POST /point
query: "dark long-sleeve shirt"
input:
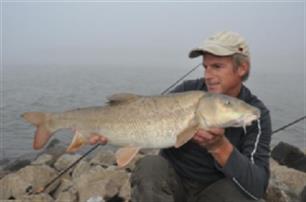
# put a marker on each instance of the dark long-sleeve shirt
(248, 164)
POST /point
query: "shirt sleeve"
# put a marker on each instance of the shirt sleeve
(179, 88)
(248, 164)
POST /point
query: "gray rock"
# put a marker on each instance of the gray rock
(28, 179)
(65, 161)
(64, 186)
(285, 183)
(303, 195)
(125, 191)
(99, 182)
(104, 188)
(19, 162)
(80, 168)
(68, 195)
(55, 149)
(103, 158)
(43, 159)
(95, 199)
(111, 168)
(290, 156)
(37, 198)
(4, 173)
(275, 193)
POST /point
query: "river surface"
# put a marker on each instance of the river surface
(51, 88)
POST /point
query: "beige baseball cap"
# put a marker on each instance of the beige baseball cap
(222, 44)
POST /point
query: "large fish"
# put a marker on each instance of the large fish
(134, 122)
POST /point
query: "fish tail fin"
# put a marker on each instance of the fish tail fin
(43, 132)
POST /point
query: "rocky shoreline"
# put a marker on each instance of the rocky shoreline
(97, 179)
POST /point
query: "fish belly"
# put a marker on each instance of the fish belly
(144, 140)
(147, 133)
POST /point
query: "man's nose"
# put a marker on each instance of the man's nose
(208, 73)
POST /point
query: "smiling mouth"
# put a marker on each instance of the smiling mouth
(212, 84)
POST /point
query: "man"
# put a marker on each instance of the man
(217, 165)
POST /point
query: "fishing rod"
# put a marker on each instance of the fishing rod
(289, 124)
(42, 189)
(180, 79)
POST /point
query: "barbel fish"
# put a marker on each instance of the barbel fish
(133, 122)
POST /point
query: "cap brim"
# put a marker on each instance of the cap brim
(214, 49)
(195, 53)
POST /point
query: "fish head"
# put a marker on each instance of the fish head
(222, 111)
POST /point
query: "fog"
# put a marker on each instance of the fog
(147, 34)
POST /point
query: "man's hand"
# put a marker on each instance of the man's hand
(210, 139)
(215, 142)
(97, 139)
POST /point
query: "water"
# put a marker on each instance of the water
(53, 88)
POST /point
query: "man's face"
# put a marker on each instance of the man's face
(221, 76)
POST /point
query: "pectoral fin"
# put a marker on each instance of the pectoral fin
(185, 136)
(125, 155)
(77, 142)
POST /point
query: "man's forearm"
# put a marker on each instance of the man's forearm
(222, 152)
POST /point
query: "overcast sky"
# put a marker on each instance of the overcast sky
(101, 33)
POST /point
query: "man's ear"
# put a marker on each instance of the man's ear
(243, 69)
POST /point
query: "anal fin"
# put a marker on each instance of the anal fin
(125, 155)
(77, 142)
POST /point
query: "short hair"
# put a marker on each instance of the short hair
(238, 60)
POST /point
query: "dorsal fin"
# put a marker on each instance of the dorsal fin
(122, 98)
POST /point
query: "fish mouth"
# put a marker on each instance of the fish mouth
(247, 120)
(242, 121)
